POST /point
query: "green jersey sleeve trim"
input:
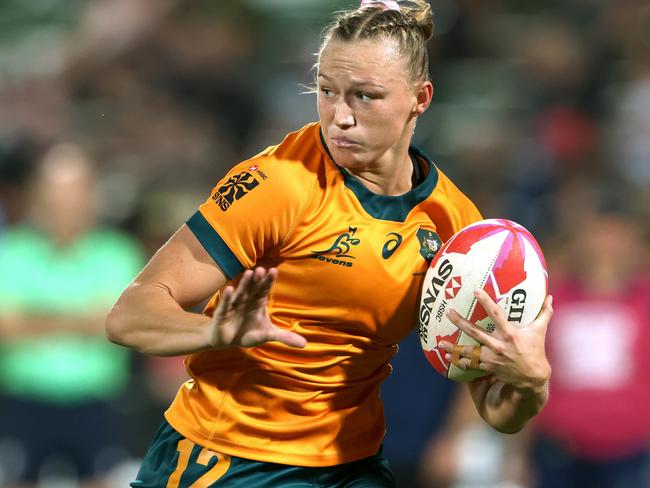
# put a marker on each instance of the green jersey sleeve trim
(215, 245)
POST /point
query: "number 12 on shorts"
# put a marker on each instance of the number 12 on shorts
(184, 449)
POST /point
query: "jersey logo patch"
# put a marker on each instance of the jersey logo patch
(340, 249)
(255, 168)
(391, 244)
(430, 243)
(235, 188)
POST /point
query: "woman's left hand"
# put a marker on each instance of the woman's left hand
(514, 356)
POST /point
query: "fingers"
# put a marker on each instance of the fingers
(252, 291)
(472, 330)
(466, 364)
(468, 356)
(254, 286)
(241, 293)
(225, 302)
(476, 356)
(262, 283)
(287, 337)
(458, 349)
(494, 311)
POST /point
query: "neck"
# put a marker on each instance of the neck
(390, 175)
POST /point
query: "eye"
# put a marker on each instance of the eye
(326, 91)
(364, 97)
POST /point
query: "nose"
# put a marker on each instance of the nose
(343, 116)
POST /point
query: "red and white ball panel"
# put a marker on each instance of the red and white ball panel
(496, 255)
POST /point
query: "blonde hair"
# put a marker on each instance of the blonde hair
(411, 27)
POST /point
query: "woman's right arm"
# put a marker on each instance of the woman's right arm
(150, 315)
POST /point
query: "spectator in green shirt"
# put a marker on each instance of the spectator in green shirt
(59, 274)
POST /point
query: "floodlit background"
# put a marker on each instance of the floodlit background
(541, 115)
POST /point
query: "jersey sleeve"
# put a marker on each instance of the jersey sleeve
(251, 211)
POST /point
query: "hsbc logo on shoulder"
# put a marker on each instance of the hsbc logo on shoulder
(256, 169)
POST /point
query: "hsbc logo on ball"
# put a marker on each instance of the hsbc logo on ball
(431, 293)
(453, 287)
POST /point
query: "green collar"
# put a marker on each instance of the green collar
(387, 207)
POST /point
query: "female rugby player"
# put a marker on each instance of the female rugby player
(313, 253)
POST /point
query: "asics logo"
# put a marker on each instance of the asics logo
(391, 244)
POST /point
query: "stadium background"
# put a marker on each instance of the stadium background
(541, 109)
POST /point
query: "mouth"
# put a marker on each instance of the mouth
(343, 142)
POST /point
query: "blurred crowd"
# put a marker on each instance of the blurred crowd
(118, 116)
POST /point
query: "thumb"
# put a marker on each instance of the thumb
(287, 337)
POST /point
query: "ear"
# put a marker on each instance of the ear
(423, 96)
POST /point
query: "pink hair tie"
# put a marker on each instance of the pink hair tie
(382, 4)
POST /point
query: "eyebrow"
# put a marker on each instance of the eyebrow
(355, 82)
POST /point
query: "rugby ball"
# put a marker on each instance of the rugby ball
(496, 255)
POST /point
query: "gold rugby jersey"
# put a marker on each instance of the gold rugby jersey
(350, 265)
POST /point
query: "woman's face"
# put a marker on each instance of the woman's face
(366, 101)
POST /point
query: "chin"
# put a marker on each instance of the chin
(346, 158)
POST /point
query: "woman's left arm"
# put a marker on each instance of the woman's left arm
(516, 388)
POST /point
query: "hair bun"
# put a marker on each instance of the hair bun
(421, 11)
(411, 26)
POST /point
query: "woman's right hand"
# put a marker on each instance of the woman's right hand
(241, 318)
